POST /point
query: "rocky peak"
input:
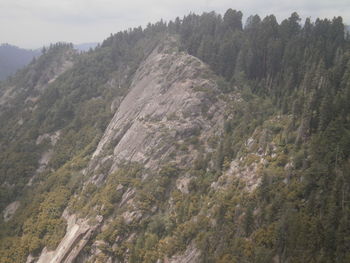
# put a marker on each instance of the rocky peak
(172, 98)
(167, 103)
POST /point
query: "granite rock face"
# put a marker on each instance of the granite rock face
(172, 98)
(10, 210)
(77, 235)
(166, 104)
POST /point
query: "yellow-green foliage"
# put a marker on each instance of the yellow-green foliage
(39, 217)
(117, 228)
(250, 159)
(44, 227)
(102, 199)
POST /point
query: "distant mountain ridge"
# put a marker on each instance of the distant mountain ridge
(85, 46)
(13, 58)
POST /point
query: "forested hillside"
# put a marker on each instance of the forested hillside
(204, 139)
(13, 58)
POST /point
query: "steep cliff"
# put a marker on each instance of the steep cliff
(167, 106)
(167, 103)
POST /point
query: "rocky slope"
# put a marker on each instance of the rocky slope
(37, 77)
(167, 104)
(138, 151)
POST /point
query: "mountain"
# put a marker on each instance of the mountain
(85, 46)
(13, 58)
(197, 140)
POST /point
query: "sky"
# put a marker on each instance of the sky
(35, 23)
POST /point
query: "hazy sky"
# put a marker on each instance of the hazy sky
(34, 23)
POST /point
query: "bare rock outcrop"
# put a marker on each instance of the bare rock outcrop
(10, 210)
(77, 235)
(191, 255)
(167, 104)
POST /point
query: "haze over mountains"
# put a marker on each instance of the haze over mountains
(13, 58)
(85, 46)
